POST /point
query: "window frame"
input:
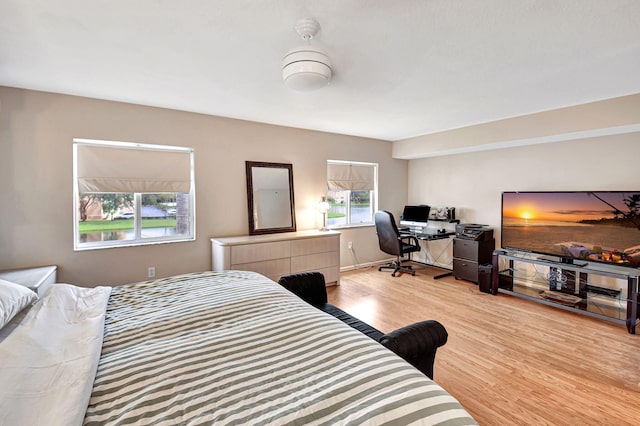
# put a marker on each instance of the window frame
(373, 196)
(137, 200)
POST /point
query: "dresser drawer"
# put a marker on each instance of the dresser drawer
(465, 270)
(260, 251)
(315, 245)
(270, 268)
(313, 262)
(331, 275)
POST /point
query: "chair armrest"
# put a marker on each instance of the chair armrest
(417, 343)
(412, 238)
(309, 286)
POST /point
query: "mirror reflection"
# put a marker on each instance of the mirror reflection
(270, 197)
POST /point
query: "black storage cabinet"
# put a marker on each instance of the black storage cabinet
(468, 255)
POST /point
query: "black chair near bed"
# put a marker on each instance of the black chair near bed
(416, 343)
(391, 242)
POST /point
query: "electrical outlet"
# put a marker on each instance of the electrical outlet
(151, 272)
(350, 245)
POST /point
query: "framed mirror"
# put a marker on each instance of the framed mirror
(270, 198)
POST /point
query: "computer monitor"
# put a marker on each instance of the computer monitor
(415, 216)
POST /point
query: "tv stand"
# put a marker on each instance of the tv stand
(602, 291)
(571, 261)
(563, 260)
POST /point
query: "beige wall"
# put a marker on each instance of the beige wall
(36, 133)
(594, 146)
(607, 117)
(473, 182)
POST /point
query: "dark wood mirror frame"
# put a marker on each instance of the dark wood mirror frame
(255, 228)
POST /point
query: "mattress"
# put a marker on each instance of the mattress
(236, 348)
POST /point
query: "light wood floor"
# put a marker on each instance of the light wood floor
(509, 361)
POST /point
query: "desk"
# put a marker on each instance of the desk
(430, 259)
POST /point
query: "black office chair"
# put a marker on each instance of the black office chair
(391, 242)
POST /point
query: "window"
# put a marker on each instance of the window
(131, 194)
(352, 191)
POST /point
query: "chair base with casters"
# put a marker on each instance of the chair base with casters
(397, 266)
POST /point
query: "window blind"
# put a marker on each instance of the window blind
(353, 177)
(132, 168)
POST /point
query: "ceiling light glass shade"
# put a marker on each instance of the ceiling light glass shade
(306, 68)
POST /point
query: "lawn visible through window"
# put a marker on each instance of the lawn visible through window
(106, 217)
(111, 217)
(351, 193)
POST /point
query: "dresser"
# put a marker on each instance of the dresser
(275, 255)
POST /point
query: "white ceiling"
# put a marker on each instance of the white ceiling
(402, 68)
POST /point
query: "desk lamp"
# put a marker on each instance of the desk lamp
(323, 207)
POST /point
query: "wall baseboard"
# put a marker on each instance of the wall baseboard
(365, 265)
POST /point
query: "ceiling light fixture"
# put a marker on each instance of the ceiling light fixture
(306, 68)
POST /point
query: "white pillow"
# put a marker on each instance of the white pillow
(13, 298)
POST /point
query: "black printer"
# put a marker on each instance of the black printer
(474, 231)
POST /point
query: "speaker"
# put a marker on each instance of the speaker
(484, 278)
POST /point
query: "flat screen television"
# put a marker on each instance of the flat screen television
(415, 216)
(596, 226)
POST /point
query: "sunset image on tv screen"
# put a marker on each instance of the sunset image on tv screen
(594, 226)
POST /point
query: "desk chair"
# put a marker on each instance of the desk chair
(391, 242)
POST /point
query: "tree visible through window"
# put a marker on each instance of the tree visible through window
(351, 193)
(122, 199)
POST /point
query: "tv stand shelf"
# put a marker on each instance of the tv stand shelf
(602, 291)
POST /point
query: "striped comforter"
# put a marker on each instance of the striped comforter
(236, 348)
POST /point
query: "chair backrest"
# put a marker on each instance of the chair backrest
(388, 234)
(308, 286)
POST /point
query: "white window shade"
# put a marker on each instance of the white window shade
(350, 177)
(132, 169)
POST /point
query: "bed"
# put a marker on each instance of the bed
(218, 348)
